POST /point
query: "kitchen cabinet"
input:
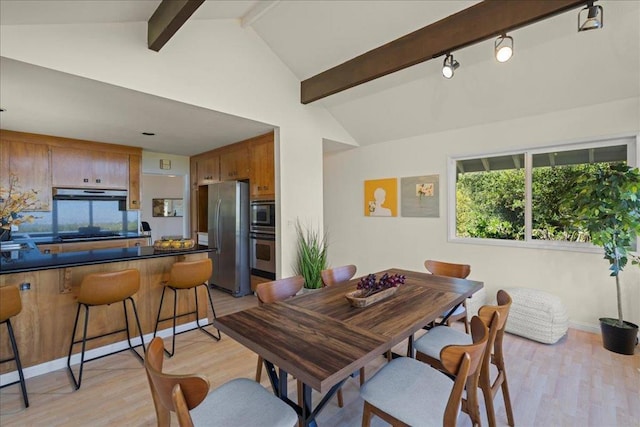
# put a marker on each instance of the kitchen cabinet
(135, 169)
(30, 164)
(234, 162)
(56, 248)
(81, 168)
(262, 177)
(208, 170)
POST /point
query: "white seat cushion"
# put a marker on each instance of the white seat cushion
(437, 338)
(409, 390)
(459, 310)
(243, 402)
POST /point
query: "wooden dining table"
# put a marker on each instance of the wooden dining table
(321, 339)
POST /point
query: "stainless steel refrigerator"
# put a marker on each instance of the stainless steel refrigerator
(228, 221)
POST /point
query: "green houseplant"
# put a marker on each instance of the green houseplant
(608, 206)
(312, 256)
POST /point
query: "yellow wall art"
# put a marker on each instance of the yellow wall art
(381, 197)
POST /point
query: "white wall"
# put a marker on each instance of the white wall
(373, 244)
(162, 187)
(212, 64)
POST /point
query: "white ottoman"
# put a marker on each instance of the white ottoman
(537, 315)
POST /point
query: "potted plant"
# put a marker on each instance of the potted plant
(608, 207)
(13, 203)
(312, 256)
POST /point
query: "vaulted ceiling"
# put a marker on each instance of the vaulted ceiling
(554, 67)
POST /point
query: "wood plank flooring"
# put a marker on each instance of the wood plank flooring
(572, 383)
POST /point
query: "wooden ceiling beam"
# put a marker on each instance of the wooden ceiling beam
(477, 23)
(167, 20)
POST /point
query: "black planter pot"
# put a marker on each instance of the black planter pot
(618, 339)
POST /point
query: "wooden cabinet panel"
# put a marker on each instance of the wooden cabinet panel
(135, 169)
(262, 177)
(56, 248)
(234, 163)
(30, 163)
(111, 170)
(208, 170)
(92, 169)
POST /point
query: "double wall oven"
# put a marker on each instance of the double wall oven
(262, 238)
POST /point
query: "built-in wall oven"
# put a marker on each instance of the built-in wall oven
(262, 238)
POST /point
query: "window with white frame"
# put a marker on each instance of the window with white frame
(525, 196)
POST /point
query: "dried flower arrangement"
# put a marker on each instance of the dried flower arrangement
(13, 203)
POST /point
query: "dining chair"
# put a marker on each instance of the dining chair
(239, 402)
(407, 392)
(332, 276)
(460, 271)
(429, 346)
(279, 290)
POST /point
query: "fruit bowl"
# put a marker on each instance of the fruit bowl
(173, 245)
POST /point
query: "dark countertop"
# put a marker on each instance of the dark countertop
(31, 259)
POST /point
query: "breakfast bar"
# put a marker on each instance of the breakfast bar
(50, 283)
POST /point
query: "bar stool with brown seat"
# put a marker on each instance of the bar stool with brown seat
(105, 289)
(10, 306)
(429, 346)
(187, 275)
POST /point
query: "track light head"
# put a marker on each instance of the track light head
(449, 66)
(503, 48)
(590, 18)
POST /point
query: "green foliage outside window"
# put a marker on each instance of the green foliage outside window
(491, 204)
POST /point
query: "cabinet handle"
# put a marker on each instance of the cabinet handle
(98, 181)
(134, 202)
(85, 180)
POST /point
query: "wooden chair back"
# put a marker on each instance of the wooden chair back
(504, 305)
(189, 274)
(10, 302)
(166, 389)
(109, 288)
(439, 268)
(463, 362)
(279, 290)
(331, 276)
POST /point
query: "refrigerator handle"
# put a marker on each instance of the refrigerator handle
(218, 225)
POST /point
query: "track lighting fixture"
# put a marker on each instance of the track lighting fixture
(449, 66)
(503, 47)
(590, 18)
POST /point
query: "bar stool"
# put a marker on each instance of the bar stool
(187, 275)
(11, 305)
(105, 289)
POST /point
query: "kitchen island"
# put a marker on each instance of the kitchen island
(49, 286)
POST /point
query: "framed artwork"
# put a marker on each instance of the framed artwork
(420, 196)
(381, 197)
(168, 207)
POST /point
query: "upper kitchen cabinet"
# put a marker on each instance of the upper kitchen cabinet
(135, 173)
(76, 167)
(262, 178)
(30, 164)
(234, 162)
(207, 169)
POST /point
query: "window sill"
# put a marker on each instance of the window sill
(535, 244)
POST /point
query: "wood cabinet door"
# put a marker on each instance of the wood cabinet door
(208, 170)
(71, 167)
(30, 163)
(262, 178)
(135, 168)
(110, 170)
(234, 164)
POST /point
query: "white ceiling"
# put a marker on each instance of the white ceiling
(553, 68)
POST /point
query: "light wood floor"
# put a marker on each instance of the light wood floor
(572, 383)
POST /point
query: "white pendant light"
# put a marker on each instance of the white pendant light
(449, 66)
(503, 47)
(593, 20)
